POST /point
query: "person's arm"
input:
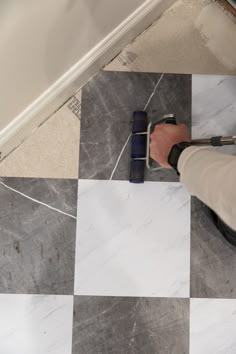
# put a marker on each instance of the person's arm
(207, 174)
(211, 176)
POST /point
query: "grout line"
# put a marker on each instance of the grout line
(153, 93)
(145, 107)
(118, 160)
(37, 201)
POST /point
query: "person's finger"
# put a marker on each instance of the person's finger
(152, 136)
(155, 131)
(159, 127)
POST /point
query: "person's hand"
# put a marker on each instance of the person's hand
(163, 138)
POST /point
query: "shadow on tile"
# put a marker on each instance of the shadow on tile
(213, 259)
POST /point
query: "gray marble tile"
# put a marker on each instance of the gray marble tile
(130, 325)
(108, 101)
(213, 259)
(37, 244)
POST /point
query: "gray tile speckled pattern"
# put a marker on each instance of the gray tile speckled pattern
(213, 259)
(130, 325)
(108, 102)
(37, 244)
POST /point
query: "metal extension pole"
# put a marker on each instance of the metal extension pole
(215, 141)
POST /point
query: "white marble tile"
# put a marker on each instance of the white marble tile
(214, 107)
(132, 240)
(213, 326)
(35, 324)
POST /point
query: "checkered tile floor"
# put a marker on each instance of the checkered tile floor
(104, 266)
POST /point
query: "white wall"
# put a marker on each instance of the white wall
(41, 40)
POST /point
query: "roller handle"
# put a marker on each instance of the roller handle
(171, 120)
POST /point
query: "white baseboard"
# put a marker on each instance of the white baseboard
(46, 104)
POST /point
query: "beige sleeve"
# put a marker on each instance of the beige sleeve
(211, 176)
